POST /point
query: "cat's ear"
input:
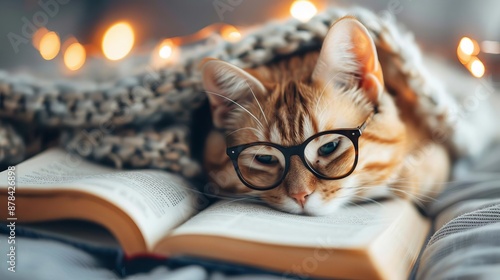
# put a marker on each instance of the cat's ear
(228, 87)
(348, 54)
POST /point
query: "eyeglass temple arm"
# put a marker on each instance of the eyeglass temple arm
(370, 117)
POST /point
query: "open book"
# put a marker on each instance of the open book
(155, 212)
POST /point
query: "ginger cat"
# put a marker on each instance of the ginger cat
(373, 144)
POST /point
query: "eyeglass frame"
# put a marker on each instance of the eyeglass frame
(352, 134)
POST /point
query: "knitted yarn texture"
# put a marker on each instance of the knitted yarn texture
(144, 120)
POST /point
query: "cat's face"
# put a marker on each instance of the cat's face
(290, 101)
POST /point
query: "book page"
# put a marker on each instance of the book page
(156, 200)
(350, 227)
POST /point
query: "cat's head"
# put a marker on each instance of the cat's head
(287, 102)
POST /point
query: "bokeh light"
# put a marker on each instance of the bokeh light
(469, 46)
(37, 37)
(74, 56)
(476, 67)
(230, 33)
(118, 41)
(466, 45)
(303, 10)
(49, 46)
(165, 49)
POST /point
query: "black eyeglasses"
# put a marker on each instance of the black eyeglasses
(330, 155)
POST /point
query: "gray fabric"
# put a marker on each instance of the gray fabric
(472, 252)
(42, 259)
(466, 244)
(51, 260)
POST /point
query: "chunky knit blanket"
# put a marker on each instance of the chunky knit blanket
(145, 120)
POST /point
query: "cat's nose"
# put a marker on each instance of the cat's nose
(300, 197)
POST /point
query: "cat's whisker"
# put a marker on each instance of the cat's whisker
(322, 92)
(252, 199)
(435, 192)
(249, 195)
(391, 183)
(415, 195)
(236, 103)
(251, 128)
(350, 194)
(207, 194)
(369, 199)
(357, 205)
(414, 198)
(392, 186)
(415, 181)
(399, 190)
(368, 212)
(258, 103)
(360, 189)
(320, 115)
(253, 158)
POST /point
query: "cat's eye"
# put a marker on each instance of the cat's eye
(261, 165)
(266, 159)
(328, 148)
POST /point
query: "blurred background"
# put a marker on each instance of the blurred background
(71, 39)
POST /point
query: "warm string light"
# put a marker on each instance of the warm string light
(118, 41)
(468, 47)
(37, 37)
(230, 33)
(476, 67)
(303, 10)
(168, 48)
(74, 55)
(49, 45)
(467, 52)
(164, 53)
(165, 49)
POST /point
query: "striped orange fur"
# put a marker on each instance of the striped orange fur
(288, 101)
